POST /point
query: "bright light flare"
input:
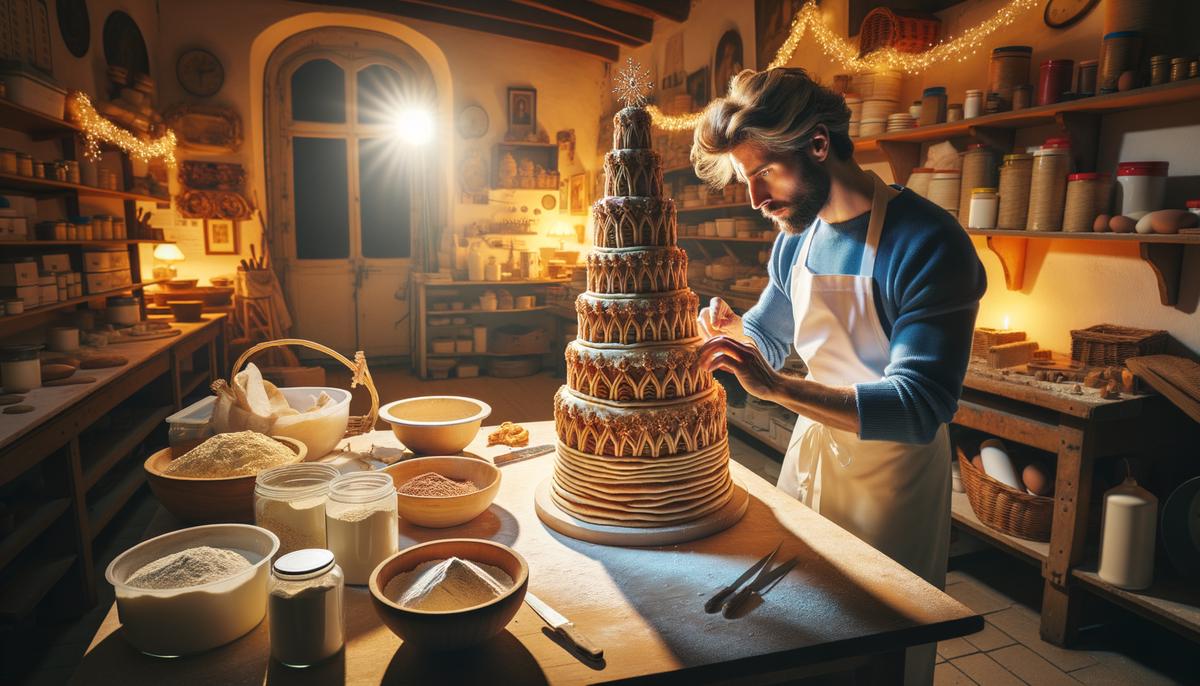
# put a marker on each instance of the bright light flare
(413, 126)
(1006, 322)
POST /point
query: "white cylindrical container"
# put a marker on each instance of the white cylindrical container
(984, 205)
(476, 261)
(997, 464)
(1127, 536)
(972, 104)
(488, 301)
(1141, 187)
(361, 523)
(20, 368)
(944, 189)
(306, 607)
(480, 334)
(289, 501)
(491, 271)
(63, 339)
(123, 310)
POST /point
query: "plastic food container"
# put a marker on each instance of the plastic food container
(184, 621)
(319, 431)
(190, 426)
(983, 207)
(1141, 186)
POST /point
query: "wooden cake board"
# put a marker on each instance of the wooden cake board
(565, 523)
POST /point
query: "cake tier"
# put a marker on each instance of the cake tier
(632, 222)
(630, 319)
(657, 429)
(660, 372)
(631, 128)
(637, 270)
(633, 173)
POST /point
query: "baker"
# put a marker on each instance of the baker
(876, 289)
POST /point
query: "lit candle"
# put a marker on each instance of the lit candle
(1005, 326)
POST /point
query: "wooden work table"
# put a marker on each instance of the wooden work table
(844, 607)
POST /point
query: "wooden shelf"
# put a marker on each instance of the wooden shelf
(20, 118)
(36, 185)
(1171, 602)
(454, 313)
(112, 243)
(23, 589)
(962, 514)
(496, 284)
(483, 354)
(115, 448)
(1163, 253)
(30, 528)
(6, 323)
(727, 240)
(711, 208)
(108, 505)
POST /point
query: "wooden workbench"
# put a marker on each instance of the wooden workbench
(844, 607)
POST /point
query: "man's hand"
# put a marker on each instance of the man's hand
(744, 361)
(719, 319)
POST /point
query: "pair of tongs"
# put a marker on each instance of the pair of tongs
(730, 598)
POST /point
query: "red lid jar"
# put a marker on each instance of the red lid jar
(1142, 168)
(1054, 80)
(1057, 142)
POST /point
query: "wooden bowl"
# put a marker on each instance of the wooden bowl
(453, 629)
(435, 424)
(187, 310)
(198, 500)
(180, 284)
(440, 512)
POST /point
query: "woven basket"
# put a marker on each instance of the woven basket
(903, 31)
(1109, 345)
(1005, 509)
(360, 376)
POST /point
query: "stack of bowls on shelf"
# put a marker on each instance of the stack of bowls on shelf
(855, 104)
(880, 92)
(900, 121)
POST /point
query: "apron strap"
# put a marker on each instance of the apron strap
(879, 202)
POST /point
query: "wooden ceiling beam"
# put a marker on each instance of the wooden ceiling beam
(537, 17)
(635, 28)
(441, 13)
(675, 10)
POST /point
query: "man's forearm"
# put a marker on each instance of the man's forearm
(834, 406)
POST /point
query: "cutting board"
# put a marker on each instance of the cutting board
(1177, 378)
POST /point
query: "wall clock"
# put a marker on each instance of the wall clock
(472, 122)
(200, 72)
(1060, 14)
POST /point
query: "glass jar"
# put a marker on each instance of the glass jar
(1016, 173)
(954, 111)
(123, 310)
(978, 171)
(290, 500)
(1141, 186)
(972, 103)
(1054, 80)
(1086, 79)
(362, 523)
(8, 161)
(984, 206)
(306, 607)
(24, 164)
(20, 367)
(1179, 68)
(1048, 188)
(1007, 69)
(1082, 204)
(933, 106)
(1160, 69)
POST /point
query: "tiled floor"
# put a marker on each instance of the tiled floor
(1007, 651)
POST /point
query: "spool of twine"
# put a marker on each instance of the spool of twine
(1015, 177)
(1080, 209)
(1048, 189)
(978, 171)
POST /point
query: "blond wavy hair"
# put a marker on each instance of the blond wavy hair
(778, 109)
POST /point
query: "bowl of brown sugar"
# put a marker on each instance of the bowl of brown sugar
(440, 492)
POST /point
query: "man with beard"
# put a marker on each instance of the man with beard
(876, 289)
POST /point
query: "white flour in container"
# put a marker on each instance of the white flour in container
(299, 524)
(450, 584)
(361, 539)
(188, 567)
(243, 453)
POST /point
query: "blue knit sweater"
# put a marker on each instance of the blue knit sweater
(928, 281)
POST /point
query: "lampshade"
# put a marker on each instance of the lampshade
(168, 252)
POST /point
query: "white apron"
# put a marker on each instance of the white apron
(894, 496)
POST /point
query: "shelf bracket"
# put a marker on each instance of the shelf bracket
(903, 157)
(1011, 252)
(1083, 128)
(1166, 261)
(1000, 140)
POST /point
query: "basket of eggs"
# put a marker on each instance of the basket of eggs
(1019, 512)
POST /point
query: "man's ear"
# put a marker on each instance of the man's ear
(819, 147)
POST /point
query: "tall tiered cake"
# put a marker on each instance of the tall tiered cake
(643, 451)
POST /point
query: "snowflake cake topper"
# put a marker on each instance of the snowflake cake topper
(632, 83)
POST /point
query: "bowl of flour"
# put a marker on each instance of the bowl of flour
(194, 589)
(449, 594)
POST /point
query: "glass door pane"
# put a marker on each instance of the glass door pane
(385, 200)
(320, 196)
(319, 92)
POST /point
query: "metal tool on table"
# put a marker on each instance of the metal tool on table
(563, 626)
(764, 580)
(522, 454)
(714, 603)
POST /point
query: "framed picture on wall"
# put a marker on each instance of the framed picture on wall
(772, 24)
(522, 112)
(697, 87)
(220, 237)
(579, 193)
(727, 61)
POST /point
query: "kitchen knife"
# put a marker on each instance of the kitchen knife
(714, 603)
(761, 583)
(522, 454)
(564, 627)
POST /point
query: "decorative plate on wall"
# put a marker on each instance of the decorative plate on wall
(74, 25)
(200, 72)
(472, 122)
(124, 45)
(206, 128)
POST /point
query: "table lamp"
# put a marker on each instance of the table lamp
(168, 253)
(561, 231)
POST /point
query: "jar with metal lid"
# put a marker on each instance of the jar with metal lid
(1048, 188)
(914, 110)
(933, 106)
(972, 103)
(14, 306)
(1015, 176)
(24, 164)
(60, 231)
(1007, 69)
(918, 180)
(1194, 68)
(1118, 55)
(20, 367)
(361, 522)
(290, 501)
(1141, 186)
(8, 161)
(123, 310)
(984, 205)
(978, 171)
(1160, 69)
(954, 111)
(1086, 79)
(944, 189)
(1022, 96)
(119, 231)
(1179, 68)
(1054, 80)
(1083, 196)
(306, 607)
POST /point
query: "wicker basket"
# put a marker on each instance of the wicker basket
(903, 31)
(1109, 345)
(360, 376)
(1005, 509)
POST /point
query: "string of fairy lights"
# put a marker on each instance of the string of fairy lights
(97, 130)
(844, 53)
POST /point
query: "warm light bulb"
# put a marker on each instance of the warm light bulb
(1005, 322)
(414, 125)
